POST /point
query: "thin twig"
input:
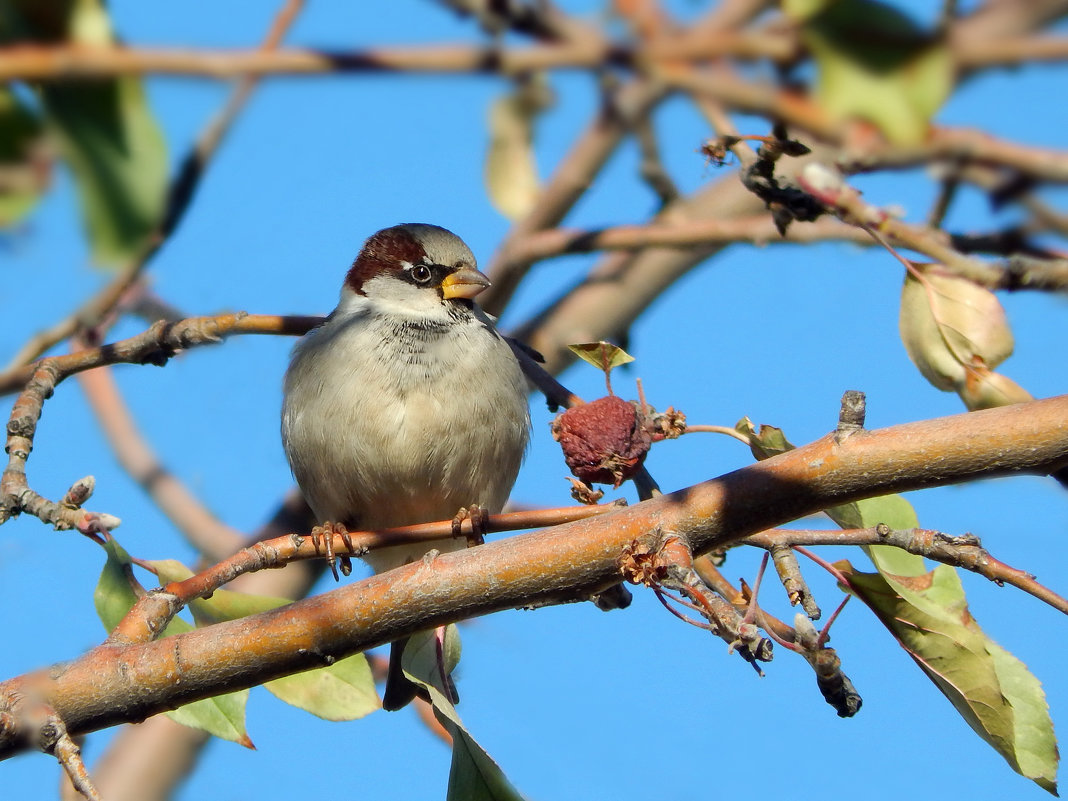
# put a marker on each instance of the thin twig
(964, 551)
(150, 615)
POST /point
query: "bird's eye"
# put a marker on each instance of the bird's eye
(421, 274)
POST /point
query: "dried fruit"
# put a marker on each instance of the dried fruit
(604, 441)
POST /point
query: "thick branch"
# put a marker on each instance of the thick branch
(116, 683)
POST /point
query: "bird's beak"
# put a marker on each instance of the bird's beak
(463, 284)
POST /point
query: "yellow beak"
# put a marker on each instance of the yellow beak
(463, 284)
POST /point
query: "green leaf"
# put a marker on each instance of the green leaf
(874, 63)
(223, 605)
(894, 511)
(344, 690)
(992, 690)
(928, 614)
(473, 776)
(115, 149)
(104, 128)
(113, 596)
(602, 355)
(420, 656)
(24, 168)
(1035, 742)
(222, 715)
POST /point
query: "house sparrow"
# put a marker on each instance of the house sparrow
(406, 405)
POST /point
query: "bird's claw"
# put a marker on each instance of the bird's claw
(322, 537)
(477, 515)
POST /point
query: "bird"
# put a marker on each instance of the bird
(406, 405)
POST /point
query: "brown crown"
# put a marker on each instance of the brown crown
(382, 253)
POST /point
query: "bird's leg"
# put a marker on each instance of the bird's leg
(323, 536)
(477, 515)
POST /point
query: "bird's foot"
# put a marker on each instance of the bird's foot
(322, 538)
(477, 515)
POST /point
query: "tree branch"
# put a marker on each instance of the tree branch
(111, 684)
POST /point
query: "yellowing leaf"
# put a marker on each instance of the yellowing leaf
(950, 325)
(991, 689)
(90, 25)
(800, 10)
(875, 64)
(602, 355)
(767, 442)
(928, 614)
(344, 690)
(511, 173)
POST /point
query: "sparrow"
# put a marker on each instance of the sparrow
(406, 405)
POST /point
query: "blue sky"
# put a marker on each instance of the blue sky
(574, 703)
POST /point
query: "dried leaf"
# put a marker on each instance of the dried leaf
(950, 325)
(985, 389)
(511, 172)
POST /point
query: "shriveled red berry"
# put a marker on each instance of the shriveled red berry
(604, 442)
